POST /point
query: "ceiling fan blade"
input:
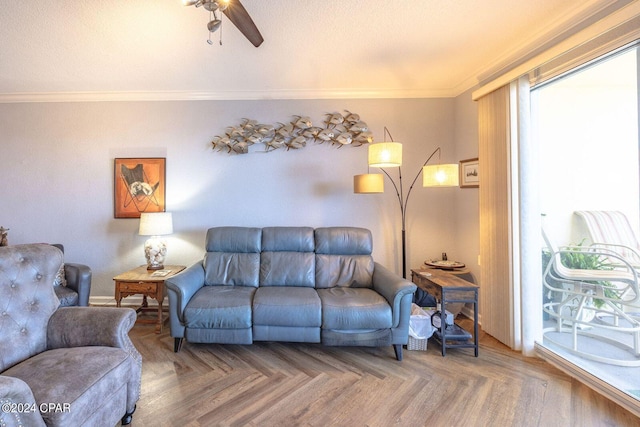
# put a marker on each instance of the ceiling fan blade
(239, 16)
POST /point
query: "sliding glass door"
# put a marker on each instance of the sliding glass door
(586, 128)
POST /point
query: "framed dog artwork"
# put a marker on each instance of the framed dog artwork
(139, 186)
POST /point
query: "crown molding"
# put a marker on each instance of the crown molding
(625, 13)
(151, 96)
(553, 33)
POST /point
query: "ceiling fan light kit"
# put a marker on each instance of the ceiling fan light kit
(212, 6)
(235, 12)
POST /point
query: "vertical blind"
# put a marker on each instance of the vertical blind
(495, 215)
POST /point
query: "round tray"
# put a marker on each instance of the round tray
(445, 265)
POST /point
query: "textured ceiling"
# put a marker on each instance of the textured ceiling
(312, 49)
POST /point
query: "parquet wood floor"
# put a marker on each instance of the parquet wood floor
(282, 384)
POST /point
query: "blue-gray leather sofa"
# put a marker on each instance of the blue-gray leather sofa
(295, 284)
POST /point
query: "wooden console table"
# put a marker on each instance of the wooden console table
(448, 288)
(143, 281)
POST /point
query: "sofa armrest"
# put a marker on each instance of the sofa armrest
(393, 288)
(78, 278)
(182, 287)
(88, 326)
(17, 400)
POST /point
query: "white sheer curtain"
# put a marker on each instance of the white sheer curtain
(528, 273)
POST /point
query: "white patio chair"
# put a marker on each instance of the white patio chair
(571, 304)
(612, 230)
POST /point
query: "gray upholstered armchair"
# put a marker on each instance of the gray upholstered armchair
(66, 366)
(73, 283)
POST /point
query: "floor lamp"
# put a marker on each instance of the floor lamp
(389, 154)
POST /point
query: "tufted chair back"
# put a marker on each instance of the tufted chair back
(27, 300)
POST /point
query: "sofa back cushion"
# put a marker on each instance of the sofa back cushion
(343, 257)
(233, 256)
(27, 300)
(287, 257)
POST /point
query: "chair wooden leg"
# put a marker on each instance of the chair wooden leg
(177, 344)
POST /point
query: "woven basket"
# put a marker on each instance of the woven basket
(416, 344)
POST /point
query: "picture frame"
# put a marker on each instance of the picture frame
(469, 173)
(139, 186)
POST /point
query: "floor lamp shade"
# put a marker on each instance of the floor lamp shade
(155, 224)
(385, 154)
(389, 154)
(368, 183)
(440, 175)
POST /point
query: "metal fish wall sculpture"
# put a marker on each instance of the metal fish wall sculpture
(337, 130)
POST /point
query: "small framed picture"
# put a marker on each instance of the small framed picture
(139, 186)
(469, 173)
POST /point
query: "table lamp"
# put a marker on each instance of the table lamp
(155, 224)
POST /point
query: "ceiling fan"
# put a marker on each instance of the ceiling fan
(237, 14)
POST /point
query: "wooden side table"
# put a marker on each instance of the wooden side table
(149, 283)
(448, 288)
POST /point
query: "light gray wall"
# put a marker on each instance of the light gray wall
(467, 218)
(57, 177)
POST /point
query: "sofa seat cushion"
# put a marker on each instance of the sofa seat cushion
(67, 296)
(85, 378)
(220, 307)
(287, 306)
(354, 308)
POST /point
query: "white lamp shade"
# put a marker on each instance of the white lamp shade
(368, 183)
(440, 175)
(155, 224)
(385, 154)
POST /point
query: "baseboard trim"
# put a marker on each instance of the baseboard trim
(468, 313)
